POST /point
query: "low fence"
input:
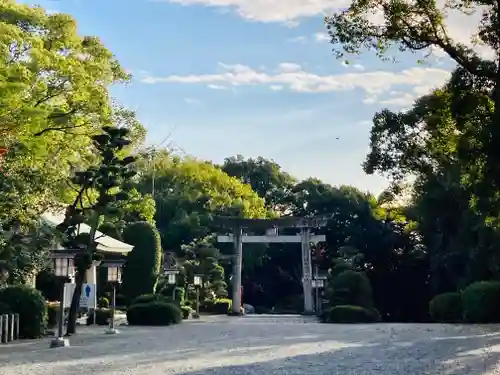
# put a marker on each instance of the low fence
(9, 328)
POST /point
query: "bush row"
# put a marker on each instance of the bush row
(30, 305)
(350, 314)
(478, 303)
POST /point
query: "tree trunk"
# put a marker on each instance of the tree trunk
(75, 303)
(79, 278)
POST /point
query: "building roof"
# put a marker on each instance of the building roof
(105, 243)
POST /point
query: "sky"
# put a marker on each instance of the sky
(253, 77)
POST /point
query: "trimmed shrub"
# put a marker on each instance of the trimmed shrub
(351, 288)
(207, 306)
(168, 290)
(186, 311)
(102, 317)
(147, 298)
(222, 306)
(446, 308)
(351, 314)
(103, 302)
(140, 273)
(156, 313)
(30, 305)
(480, 302)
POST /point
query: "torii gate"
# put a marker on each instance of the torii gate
(305, 238)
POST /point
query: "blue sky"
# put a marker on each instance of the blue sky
(254, 77)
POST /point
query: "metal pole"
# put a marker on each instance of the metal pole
(61, 312)
(198, 300)
(173, 293)
(238, 258)
(1, 328)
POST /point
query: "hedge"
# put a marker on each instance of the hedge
(156, 313)
(481, 301)
(351, 314)
(446, 308)
(30, 305)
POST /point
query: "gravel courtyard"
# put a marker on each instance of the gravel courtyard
(264, 345)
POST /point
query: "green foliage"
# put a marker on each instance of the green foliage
(102, 317)
(480, 302)
(109, 180)
(186, 311)
(446, 308)
(103, 302)
(30, 305)
(222, 306)
(188, 192)
(265, 177)
(146, 298)
(351, 314)
(351, 288)
(156, 313)
(142, 269)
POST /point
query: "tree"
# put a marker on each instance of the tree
(109, 180)
(265, 177)
(188, 192)
(419, 25)
(144, 262)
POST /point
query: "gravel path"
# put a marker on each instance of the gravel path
(265, 345)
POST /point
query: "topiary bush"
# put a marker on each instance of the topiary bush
(147, 298)
(207, 306)
(351, 314)
(446, 308)
(156, 313)
(222, 306)
(350, 288)
(102, 317)
(186, 311)
(103, 302)
(481, 301)
(30, 305)
(142, 268)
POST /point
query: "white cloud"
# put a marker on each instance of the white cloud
(297, 39)
(293, 77)
(321, 37)
(216, 87)
(285, 11)
(276, 87)
(461, 26)
(289, 67)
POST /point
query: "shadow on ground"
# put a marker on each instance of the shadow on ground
(267, 346)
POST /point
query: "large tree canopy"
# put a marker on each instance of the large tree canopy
(378, 25)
